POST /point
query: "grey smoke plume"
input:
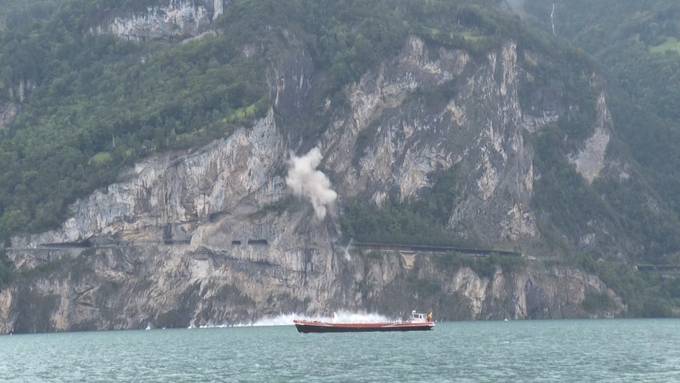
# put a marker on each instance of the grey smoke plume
(515, 5)
(306, 181)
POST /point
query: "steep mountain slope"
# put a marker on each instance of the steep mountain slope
(437, 122)
(634, 44)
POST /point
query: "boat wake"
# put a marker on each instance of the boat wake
(287, 319)
(338, 317)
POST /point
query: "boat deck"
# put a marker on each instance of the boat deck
(318, 327)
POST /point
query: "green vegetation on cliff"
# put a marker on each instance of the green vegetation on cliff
(422, 220)
(646, 294)
(633, 45)
(96, 104)
(635, 41)
(92, 104)
(100, 104)
(6, 271)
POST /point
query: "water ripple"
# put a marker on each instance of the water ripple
(528, 351)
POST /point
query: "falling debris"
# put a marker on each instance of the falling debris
(306, 181)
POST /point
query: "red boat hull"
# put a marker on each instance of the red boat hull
(318, 327)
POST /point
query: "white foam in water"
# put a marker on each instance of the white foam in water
(287, 319)
(338, 317)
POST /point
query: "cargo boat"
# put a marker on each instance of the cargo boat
(418, 322)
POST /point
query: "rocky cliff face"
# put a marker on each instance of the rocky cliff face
(176, 19)
(213, 235)
(479, 126)
(166, 286)
(8, 112)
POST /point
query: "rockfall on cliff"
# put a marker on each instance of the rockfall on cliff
(213, 235)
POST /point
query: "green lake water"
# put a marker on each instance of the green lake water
(528, 351)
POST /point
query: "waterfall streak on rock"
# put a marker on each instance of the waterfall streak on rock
(552, 19)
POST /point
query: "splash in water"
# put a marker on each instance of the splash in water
(287, 319)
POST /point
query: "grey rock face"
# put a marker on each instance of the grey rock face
(176, 19)
(171, 286)
(479, 126)
(20, 91)
(8, 112)
(213, 236)
(590, 161)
